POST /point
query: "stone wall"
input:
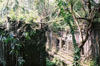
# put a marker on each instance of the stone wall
(91, 49)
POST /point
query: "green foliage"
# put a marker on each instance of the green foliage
(27, 36)
(8, 39)
(92, 63)
(28, 17)
(58, 26)
(58, 62)
(49, 63)
(31, 17)
(21, 17)
(21, 61)
(12, 15)
(77, 5)
(14, 44)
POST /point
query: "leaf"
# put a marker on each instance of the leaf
(19, 45)
(12, 52)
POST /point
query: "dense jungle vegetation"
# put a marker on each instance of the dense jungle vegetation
(25, 23)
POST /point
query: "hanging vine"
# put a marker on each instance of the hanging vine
(68, 19)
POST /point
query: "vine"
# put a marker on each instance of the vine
(68, 18)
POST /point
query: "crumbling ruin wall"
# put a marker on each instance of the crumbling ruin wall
(91, 49)
(22, 44)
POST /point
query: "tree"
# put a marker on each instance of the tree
(81, 11)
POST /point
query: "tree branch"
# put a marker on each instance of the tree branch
(83, 18)
(76, 21)
(87, 35)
